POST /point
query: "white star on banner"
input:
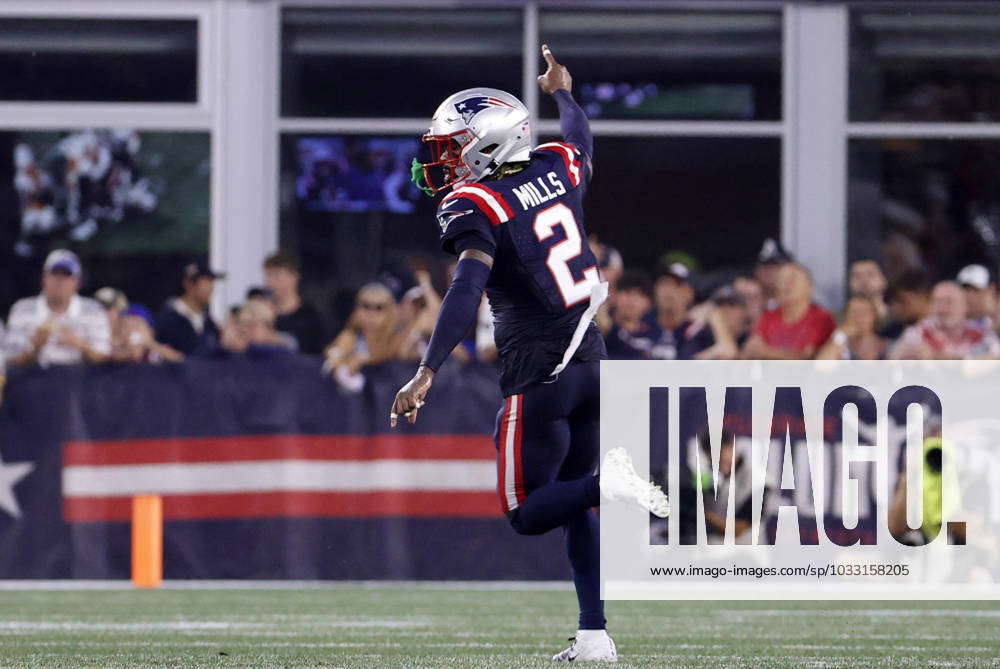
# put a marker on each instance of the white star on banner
(10, 474)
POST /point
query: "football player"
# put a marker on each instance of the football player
(514, 217)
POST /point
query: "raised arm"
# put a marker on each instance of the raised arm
(572, 121)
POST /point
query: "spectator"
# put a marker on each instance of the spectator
(672, 297)
(734, 475)
(418, 313)
(937, 473)
(114, 303)
(251, 330)
(770, 260)
(797, 328)
(132, 338)
(723, 330)
(865, 278)
(609, 260)
(631, 336)
(294, 316)
(909, 303)
(266, 297)
(185, 324)
(58, 326)
(370, 337)
(856, 338)
(752, 293)
(947, 334)
(980, 293)
(486, 347)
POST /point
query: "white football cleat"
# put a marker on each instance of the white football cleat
(620, 483)
(589, 646)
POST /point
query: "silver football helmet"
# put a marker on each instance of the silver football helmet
(472, 134)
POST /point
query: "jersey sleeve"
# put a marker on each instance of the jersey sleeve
(472, 213)
(574, 125)
(575, 163)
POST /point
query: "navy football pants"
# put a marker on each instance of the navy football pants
(547, 451)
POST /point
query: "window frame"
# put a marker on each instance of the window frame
(141, 115)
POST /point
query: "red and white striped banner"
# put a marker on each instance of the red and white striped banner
(283, 476)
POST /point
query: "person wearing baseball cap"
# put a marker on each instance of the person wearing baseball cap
(733, 315)
(672, 298)
(770, 260)
(58, 326)
(720, 329)
(980, 293)
(185, 323)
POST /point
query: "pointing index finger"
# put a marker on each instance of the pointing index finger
(549, 58)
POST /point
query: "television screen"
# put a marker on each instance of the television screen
(133, 204)
(356, 174)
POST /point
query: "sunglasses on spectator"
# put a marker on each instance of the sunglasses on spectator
(373, 306)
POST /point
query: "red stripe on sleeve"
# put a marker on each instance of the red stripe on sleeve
(481, 203)
(498, 197)
(568, 155)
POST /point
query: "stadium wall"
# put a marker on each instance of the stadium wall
(267, 471)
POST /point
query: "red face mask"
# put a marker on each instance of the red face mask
(446, 167)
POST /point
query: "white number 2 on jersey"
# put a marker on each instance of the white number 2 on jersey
(560, 254)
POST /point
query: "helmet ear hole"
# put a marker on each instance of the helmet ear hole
(488, 149)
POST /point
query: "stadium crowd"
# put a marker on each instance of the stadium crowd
(768, 313)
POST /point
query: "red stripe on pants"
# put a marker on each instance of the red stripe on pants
(518, 462)
(502, 455)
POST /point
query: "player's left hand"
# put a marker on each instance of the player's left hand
(410, 397)
(556, 77)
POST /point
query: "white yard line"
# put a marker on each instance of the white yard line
(853, 613)
(36, 626)
(287, 585)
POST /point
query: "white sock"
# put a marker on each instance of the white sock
(583, 636)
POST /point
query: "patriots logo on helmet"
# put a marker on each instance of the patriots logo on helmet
(469, 107)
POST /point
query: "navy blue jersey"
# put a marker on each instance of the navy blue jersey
(543, 271)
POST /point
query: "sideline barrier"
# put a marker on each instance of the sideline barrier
(266, 470)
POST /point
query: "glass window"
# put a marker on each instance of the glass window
(350, 212)
(669, 65)
(925, 65)
(99, 60)
(133, 205)
(393, 63)
(929, 205)
(714, 199)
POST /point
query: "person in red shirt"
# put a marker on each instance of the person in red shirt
(797, 328)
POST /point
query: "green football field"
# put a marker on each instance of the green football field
(413, 626)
